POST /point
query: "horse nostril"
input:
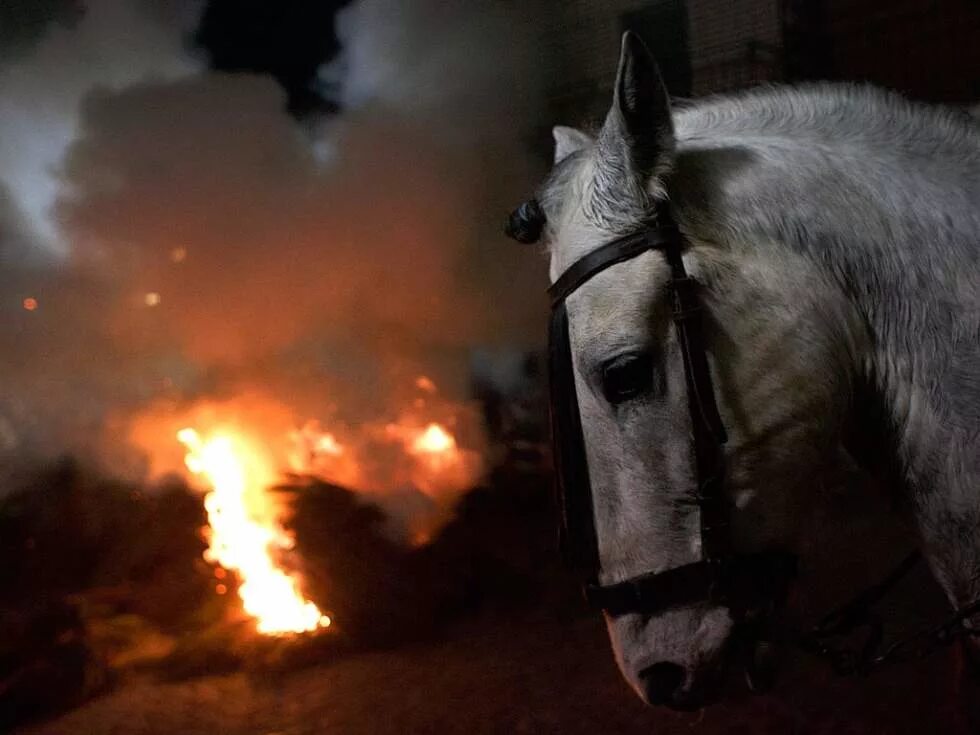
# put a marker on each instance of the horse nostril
(661, 682)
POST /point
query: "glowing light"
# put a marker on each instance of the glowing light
(178, 255)
(152, 298)
(328, 444)
(30, 303)
(425, 384)
(243, 534)
(433, 440)
(315, 451)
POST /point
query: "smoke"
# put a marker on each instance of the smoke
(109, 44)
(209, 246)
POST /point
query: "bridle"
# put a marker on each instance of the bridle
(749, 585)
(721, 576)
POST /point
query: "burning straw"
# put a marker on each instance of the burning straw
(239, 449)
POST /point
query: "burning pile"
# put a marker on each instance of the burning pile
(252, 555)
(240, 449)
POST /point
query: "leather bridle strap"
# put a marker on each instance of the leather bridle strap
(721, 576)
(578, 539)
(740, 584)
(708, 431)
(577, 534)
(610, 254)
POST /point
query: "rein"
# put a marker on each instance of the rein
(858, 616)
(750, 586)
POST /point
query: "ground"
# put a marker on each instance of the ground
(533, 673)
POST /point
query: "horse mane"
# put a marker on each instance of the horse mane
(894, 168)
(857, 177)
(828, 112)
(882, 194)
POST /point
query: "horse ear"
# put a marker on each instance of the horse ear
(569, 141)
(638, 135)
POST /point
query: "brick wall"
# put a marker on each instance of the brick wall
(925, 48)
(928, 50)
(733, 43)
(581, 38)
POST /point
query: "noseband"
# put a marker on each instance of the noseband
(741, 582)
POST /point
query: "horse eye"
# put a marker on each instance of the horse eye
(626, 377)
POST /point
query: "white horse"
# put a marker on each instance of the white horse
(835, 234)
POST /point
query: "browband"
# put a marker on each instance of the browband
(609, 255)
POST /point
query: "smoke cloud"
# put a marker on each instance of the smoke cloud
(170, 234)
(108, 44)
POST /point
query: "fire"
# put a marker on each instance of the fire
(243, 534)
(439, 464)
(238, 447)
(314, 450)
(434, 440)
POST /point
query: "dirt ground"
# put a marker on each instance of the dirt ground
(530, 675)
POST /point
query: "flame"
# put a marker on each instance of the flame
(434, 440)
(439, 464)
(313, 450)
(239, 446)
(243, 534)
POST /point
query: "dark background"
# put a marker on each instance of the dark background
(481, 631)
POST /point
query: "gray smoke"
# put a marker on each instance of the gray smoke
(183, 237)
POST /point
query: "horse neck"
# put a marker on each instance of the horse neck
(898, 236)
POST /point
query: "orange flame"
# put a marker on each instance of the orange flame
(434, 440)
(240, 446)
(243, 533)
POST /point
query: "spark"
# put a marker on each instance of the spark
(425, 384)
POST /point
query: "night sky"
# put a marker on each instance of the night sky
(288, 40)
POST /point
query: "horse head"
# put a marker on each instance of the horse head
(781, 369)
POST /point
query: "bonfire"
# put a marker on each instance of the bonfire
(235, 454)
